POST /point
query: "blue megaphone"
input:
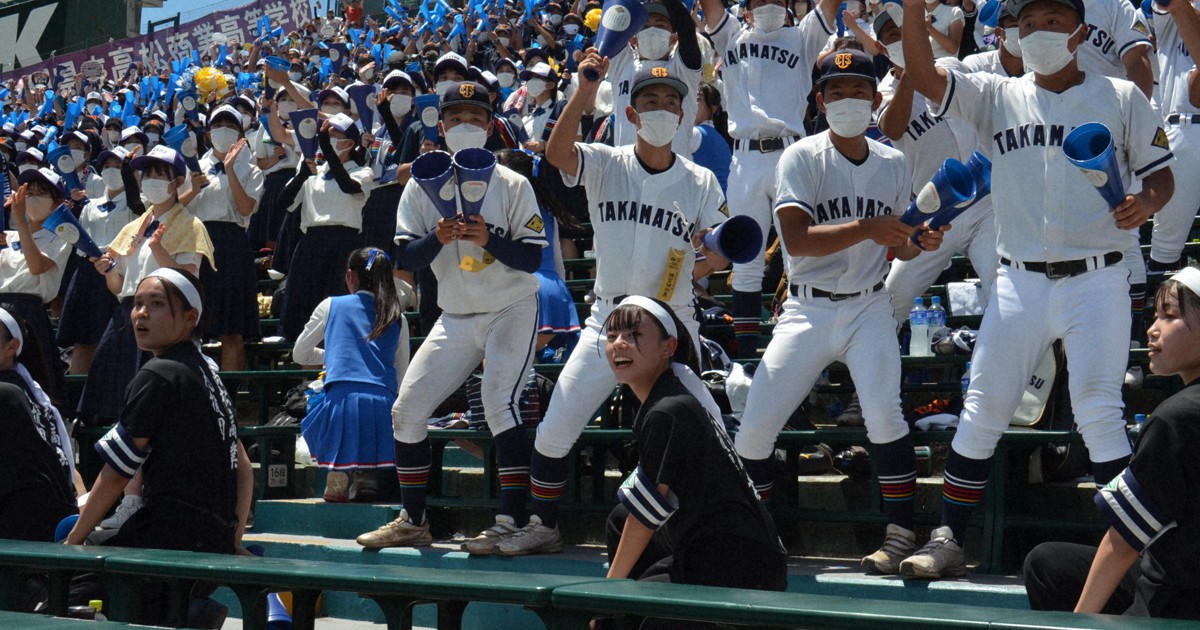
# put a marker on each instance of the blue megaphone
(1090, 147)
(473, 171)
(180, 139)
(265, 121)
(65, 226)
(620, 21)
(189, 101)
(60, 158)
(278, 617)
(981, 170)
(738, 239)
(360, 98)
(279, 63)
(434, 173)
(304, 121)
(337, 56)
(64, 528)
(951, 186)
(989, 14)
(426, 106)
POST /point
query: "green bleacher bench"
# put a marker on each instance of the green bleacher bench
(31, 621)
(276, 475)
(20, 558)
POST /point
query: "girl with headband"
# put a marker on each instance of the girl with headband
(688, 472)
(365, 353)
(198, 480)
(1145, 565)
(35, 442)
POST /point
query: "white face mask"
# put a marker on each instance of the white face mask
(285, 107)
(535, 87)
(114, 136)
(658, 127)
(79, 157)
(506, 79)
(21, 146)
(153, 137)
(654, 43)
(332, 110)
(769, 18)
(571, 29)
(465, 136)
(368, 74)
(895, 52)
(555, 19)
(38, 208)
(24, 168)
(1046, 52)
(223, 139)
(156, 191)
(1012, 41)
(295, 76)
(400, 105)
(131, 146)
(112, 178)
(848, 117)
(441, 87)
(342, 145)
(504, 41)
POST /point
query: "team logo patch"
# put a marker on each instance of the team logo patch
(725, 209)
(659, 72)
(843, 60)
(1160, 139)
(1140, 27)
(535, 224)
(467, 90)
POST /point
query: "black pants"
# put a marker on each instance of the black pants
(1055, 573)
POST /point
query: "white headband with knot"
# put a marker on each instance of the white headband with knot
(1190, 278)
(184, 285)
(654, 309)
(14, 329)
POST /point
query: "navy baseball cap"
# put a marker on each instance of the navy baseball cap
(885, 16)
(1015, 6)
(466, 93)
(46, 176)
(847, 63)
(163, 155)
(655, 6)
(657, 75)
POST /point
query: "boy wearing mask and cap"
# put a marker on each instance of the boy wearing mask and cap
(763, 91)
(484, 265)
(1061, 273)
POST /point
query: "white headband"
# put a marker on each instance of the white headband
(1190, 278)
(184, 285)
(656, 310)
(14, 329)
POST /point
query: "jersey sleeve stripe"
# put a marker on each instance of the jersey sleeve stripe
(117, 449)
(784, 203)
(1130, 510)
(640, 496)
(821, 21)
(1153, 166)
(1136, 42)
(403, 235)
(724, 21)
(951, 84)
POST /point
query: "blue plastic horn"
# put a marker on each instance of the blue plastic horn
(360, 97)
(473, 171)
(279, 63)
(738, 239)
(989, 14)
(952, 185)
(60, 158)
(427, 108)
(278, 617)
(65, 226)
(64, 528)
(337, 56)
(180, 139)
(304, 121)
(981, 170)
(434, 172)
(1090, 147)
(620, 21)
(189, 101)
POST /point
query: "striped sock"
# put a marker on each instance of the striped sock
(547, 481)
(413, 462)
(896, 466)
(747, 313)
(512, 459)
(762, 473)
(966, 479)
(1137, 305)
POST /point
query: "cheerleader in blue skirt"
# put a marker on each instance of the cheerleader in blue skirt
(362, 339)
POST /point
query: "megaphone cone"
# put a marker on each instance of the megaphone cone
(433, 172)
(981, 170)
(278, 617)
(426, 107)
(473, 170)
(304, 121)
(180, 139)
(1090, 147)
(64, 528)
(359, 97)
(952, 185)
(64, 164)
(620, 21)
(739, 239)
(65, 226)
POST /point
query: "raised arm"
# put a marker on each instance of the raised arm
(926, 78)
(560, 149)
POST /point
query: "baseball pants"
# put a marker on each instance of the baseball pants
(751, 192)
(1173, 222)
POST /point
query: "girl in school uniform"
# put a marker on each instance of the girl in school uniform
(230, 186)
(396, 115)
(365, 353)
(276, 156)
(331, 198)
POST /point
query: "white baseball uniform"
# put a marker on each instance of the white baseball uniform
(643, 226)
(1174, 221)
(767, 79)
(815, 328)
(489, 310)
(1046, 210)
(622, 68)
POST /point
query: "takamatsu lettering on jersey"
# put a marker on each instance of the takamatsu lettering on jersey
(762, 51)
(1031, 135)
(922, 123)
(671, 221)
(841, 208)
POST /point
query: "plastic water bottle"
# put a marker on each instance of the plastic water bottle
(936, 315)
(98, 606)
(918, 345)
(1139, 421)
(965, 381)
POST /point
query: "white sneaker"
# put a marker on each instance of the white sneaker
(486, 541)
(940, 557)
(130, 504)
(899, 544)
(533, 538)
(275, 274)
(1134, 377)
(399, 533)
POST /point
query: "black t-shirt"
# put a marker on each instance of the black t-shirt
(681, 446)
(177, 402)
(1155, 506)
(32, 457)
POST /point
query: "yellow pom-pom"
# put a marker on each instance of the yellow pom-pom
(208, 81)
(592, 19)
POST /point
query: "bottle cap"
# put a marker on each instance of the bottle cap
(937, 299)
(96, 603)
(1139, 417)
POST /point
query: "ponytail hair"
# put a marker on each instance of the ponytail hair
(720, 117)
(372, 268)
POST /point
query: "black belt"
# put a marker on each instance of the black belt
(798, 291)
(1067, 268)
(1183, 119)
(765, 145)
